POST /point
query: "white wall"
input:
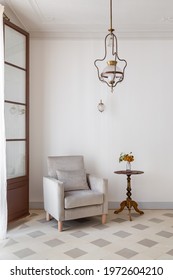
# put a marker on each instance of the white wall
(64, 119)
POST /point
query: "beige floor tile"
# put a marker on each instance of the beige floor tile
(33, 231)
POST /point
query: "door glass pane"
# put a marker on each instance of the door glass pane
(15, 46)
(15, 121)
(15, 84)
(16, 165)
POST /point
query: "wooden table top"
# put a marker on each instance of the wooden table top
(129, 172)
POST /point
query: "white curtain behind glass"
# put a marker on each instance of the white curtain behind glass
(3, 181)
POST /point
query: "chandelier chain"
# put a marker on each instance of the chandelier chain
(111, 29)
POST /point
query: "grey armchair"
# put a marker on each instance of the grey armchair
(71, 194)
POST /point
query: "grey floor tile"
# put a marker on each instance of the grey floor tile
(134, 214)
(79, 234)
(21, 254)
(75, 253)
(140, 227)
(165, 234)
(43, 221)
(156, 220)
(147, 242)
(122, 234)
(101, 242)
(100, 226)
(168, 215)
(170, 252)
(119, 220)
(36, 234)
(126, 253)
(10, 242)
(54, 242)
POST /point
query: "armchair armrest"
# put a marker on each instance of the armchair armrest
(99, 185)
(53, 193)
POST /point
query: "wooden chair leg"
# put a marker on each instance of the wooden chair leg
(103, 218)
(60, 224)
(47, 216)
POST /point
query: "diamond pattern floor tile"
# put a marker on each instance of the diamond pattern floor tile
(79, 234)
(147, 236)
(168, 215)
(118, 220)
(122, 234)
(100, 226)
(36, 234)
(155, 220)
(147, 242)
(10, 242)
(170, 252)
(21, 254)
(140, 227)
(75, 253)
(126, 253)
(165, 234)
(43, 221)
(100, 242)
(54, 242)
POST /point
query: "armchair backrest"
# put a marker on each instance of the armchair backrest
(64, 163)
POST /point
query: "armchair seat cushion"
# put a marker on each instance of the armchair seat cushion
(81, 198)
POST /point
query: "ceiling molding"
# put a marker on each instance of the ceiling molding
(42, 20)
(11, 6)
(35, 7)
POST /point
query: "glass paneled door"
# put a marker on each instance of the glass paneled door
(17, 119)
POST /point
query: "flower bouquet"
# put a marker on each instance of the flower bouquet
(127, 157)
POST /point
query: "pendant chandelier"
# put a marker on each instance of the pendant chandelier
(113, 73)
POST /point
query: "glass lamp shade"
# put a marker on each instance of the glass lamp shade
(101, 106)
(111, 72)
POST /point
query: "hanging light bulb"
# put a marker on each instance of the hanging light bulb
(109, 43)
(113, 73)
(101, 106)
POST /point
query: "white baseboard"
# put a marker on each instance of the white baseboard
(145, 205)
(115, 205)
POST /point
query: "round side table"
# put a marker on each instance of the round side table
(129, 203)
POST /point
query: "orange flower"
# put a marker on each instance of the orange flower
(126, 157)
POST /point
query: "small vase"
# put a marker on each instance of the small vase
(128, 165)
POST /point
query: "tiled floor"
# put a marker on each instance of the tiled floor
(148, 236)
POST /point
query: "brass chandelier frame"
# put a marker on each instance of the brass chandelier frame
(117, 74)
